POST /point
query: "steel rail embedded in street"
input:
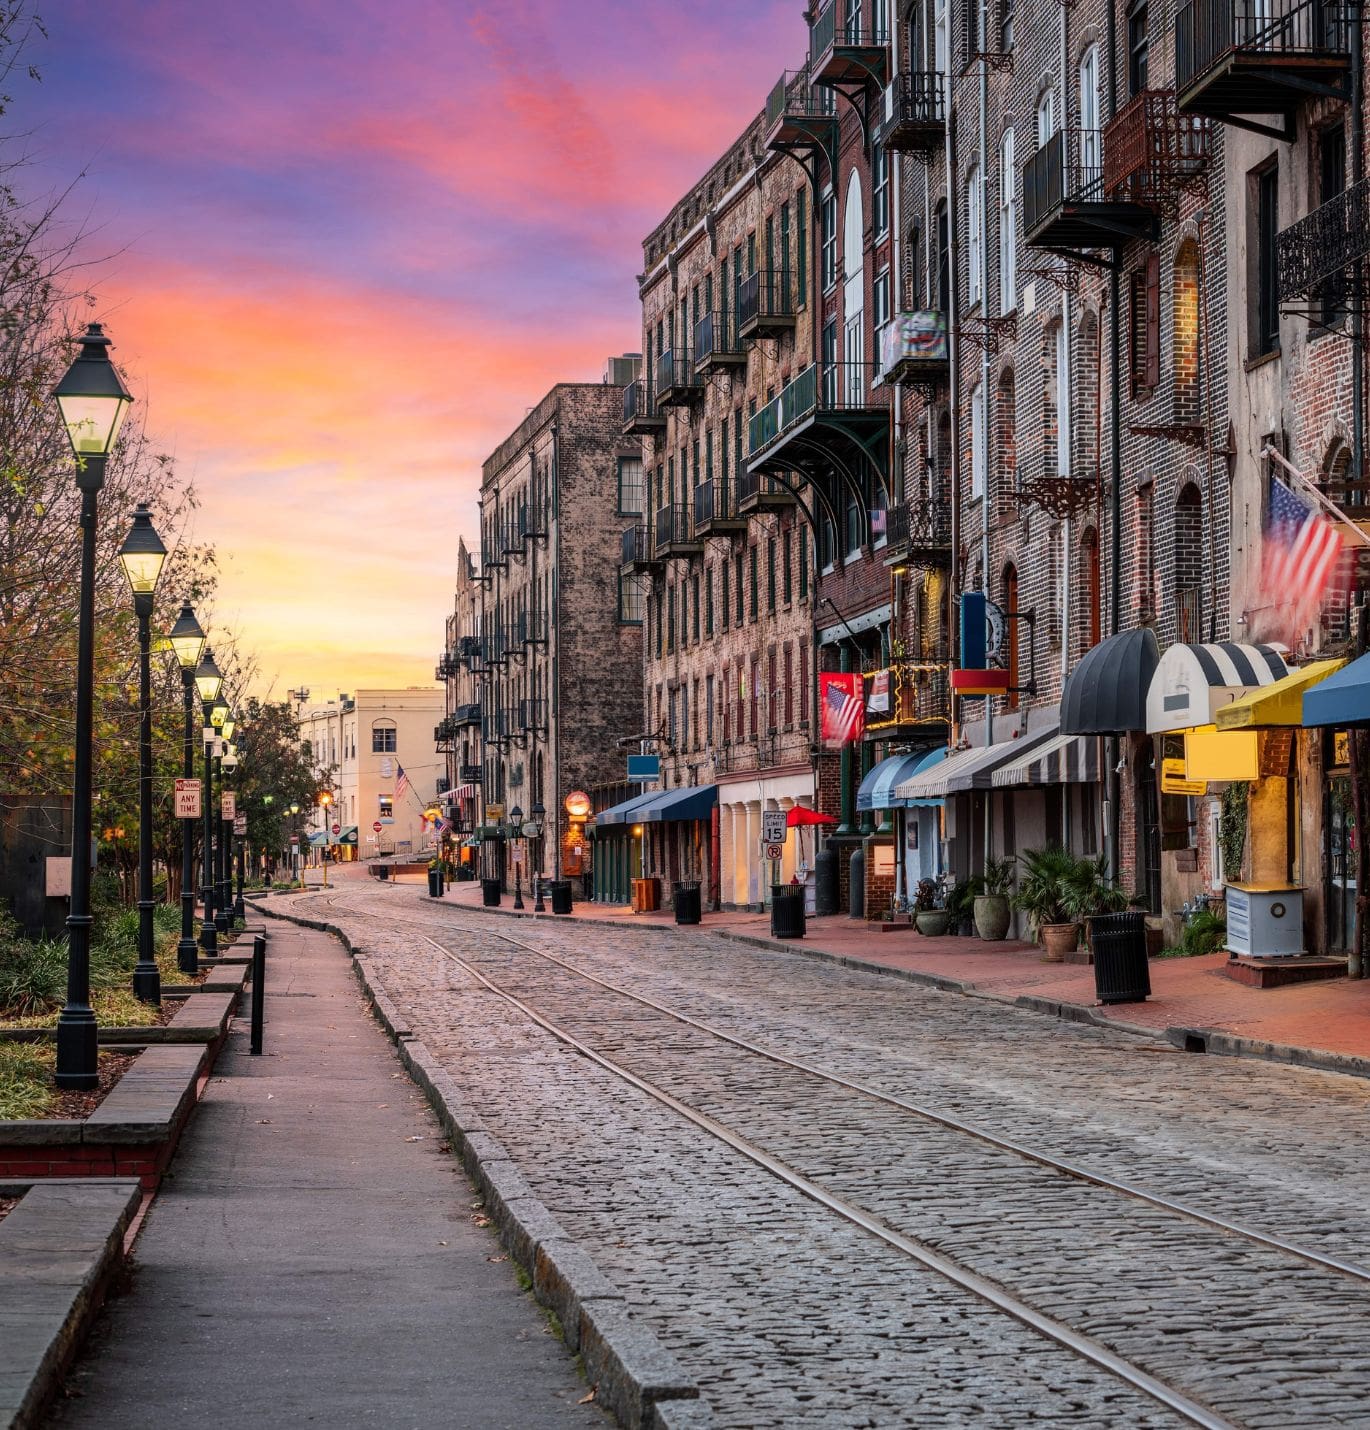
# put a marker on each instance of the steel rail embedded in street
(1084, 1346)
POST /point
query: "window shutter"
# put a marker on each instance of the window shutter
(1153, 320)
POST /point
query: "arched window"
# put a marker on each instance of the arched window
(1089, 561)
(941, 274)
(1008, 226)
(1185, 333)
(1011, 632)
(1006, 436)
(1189, 564)
(1050, 393)
(1091, 140)
(975, 249)
(384, 737)
(1046, 117)
(1085, 398)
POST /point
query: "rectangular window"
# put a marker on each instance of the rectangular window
(770, 574)
(725, 706)
(383, 740)
(880, 190)
(828, 214)
(977, 441)
(751, 254)
(1330, 295)
(753, 570)
(741, 703)
(755, 701)
(1138, 49)
(880, 295)
(771, 264)
(1265, 330)
(387, 806)
(632, 599)
(789, 685)
(630, 489)
(803, 685)
(684, 614)
(670, 618)
(694, 717)
(724, 605)
(803, 563)
(694, 607)
(709, 710)
(786, 578)
(1144, 322)
(741, 593)
(708, 600)
(801, 264)
(772, 693)
(784, 264)
(975, 252)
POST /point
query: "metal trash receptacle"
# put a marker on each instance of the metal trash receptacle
(382, 871)
(489, 893)
(686, 900)
(560, 890)
(787, 911)
(1121, 974)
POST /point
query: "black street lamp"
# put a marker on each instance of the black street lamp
(232, 910)
(533, 829)
(187, 644)
(223, 899)
(516, 830)
(141, 556)
(209, 681)
(93, 402)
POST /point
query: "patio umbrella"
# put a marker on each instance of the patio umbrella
(799, 817)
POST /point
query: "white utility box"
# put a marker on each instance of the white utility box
(1264, 920)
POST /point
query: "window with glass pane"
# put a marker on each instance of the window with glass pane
(383, 740)
(829, 239)
(880, 190)
(631, 493)
(632, 599)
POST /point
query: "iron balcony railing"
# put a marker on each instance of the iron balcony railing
(914, 102)
(468, 648)
(716, 340)
(1313, 254)
(672, 526)
(1208, 30)
(468, 714)
(1069, 167)
(533, 714)
(840, 24)
(763, 297)
(639, 404)
(832, 388)
(710, 501)
(675, 375)
(637, 546)
(1150, 147)
(794, 96)
(924, 524)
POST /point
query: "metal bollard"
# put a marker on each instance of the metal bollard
(258, 990)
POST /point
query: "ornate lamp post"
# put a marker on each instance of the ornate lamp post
(325, 801)
(533, 829)
(93, 402)
(295, 830)
(232, 910)
(223, 898)
(215, 712)
(141, 556)
(516, 832)
(187, 644)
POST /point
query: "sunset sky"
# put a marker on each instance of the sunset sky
(345, 246)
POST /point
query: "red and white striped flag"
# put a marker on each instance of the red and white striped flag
(1301, 554)
(401, 781)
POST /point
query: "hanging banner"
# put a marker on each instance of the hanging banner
(879, 701)
(844, 711)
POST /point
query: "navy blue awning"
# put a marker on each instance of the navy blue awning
(626, 813)
(689, 802)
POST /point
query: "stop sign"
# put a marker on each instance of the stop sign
(337, 829)
(377, 826)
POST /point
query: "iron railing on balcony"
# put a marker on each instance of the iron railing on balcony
(839, 23)
(924, 524)
(533, 714)
(832, 388)
(1313, 255)
(764, 297)
(1208, 30)
(675, 376)
(470, 774)
(672, 526)
(1150, 148)
(716, 341)
(637, 545)
(914, 106)
(794, 96)
(468, 714)
(1069, 167)
(468, 647)
(707, 497)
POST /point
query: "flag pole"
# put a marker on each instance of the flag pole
(1321, 498)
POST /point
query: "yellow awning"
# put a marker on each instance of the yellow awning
(1219, 755)
(1280, 704)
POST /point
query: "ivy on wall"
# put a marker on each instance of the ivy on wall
(1232, 828)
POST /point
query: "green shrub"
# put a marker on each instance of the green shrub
(1204, 932)
(33, 977)
(25, 1080)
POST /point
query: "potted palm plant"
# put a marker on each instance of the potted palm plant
(992, 909)
(928, 918)
(1093, 892)
(960, 904)
(1045, 896)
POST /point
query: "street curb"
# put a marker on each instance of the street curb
(636, 1378)
(61, 1249)
(1185, 1039)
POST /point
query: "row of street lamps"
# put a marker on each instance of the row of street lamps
(93, 402)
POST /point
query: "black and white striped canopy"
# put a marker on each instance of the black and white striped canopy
(1193, 682)
(1064, 759)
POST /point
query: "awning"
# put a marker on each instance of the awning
(689, 802)
(925, 763)
(1342, 699)
(800, 816)
(877, 789)
(1106, 692)
(349, 835)
(317, 839)
(1193, 682)
(1278, 705)
(969, 769)
(1063, 760)
(627, 812)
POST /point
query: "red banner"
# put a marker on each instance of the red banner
(841, 698)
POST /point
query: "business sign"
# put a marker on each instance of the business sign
(240, 824)
(644, 768)
(494, 814)
(773, 826)
(188, 805)
(228, 806)
(1173, 780)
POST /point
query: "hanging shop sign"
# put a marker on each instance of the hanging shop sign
(644, 768)
(577, 803)
(1173, 780)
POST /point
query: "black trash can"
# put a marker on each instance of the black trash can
(685, 897)
(435, 883)
(827, 882)
(560, 890)
(489, 893)
(787, 911)
(1121, 974)
(382, 871)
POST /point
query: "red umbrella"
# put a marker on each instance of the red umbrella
(799, 817)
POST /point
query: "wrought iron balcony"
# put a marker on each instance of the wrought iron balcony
(641, 415)
(637, 548)
(676, 382)
(801, 118)
(1314, 255)
(920, 694)
(915, 119)
(915, 349)
(755, 492)
(444, 732)
(765, 304)
(672, 533)
(468, 648)
(717, 346)
(1243, 57)
(919, 533)
(1151, 149)
(512, 541)
(533, 714)
(1065, 205)
(468, 714)
(470, 774)
(845, 49)
(833, 413)
(714, 514)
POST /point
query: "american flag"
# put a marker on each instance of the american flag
(401, 781)
(1301, 552)
(844, 711)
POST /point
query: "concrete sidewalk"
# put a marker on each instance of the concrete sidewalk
(312, 1256)
(1326, 1018)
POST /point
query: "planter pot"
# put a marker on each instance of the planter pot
(932, 922)
(1058, 940)
(992, 916)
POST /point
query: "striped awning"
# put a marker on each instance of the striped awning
(1193, 682)
(968, 769)
(1064, 760)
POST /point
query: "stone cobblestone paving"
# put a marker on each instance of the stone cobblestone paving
(789, 1316)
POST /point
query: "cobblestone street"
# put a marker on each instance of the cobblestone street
(787, 1312)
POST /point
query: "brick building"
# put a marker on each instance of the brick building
(458, 734)
(559, 659)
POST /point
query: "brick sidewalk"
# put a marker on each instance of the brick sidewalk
(1187, 993)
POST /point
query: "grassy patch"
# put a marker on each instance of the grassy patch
(26, 1080)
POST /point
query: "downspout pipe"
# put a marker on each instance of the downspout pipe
(1115, 435)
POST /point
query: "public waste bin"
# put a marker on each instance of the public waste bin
(382, 871)
(787, 911)
(489, 893)
(435, 883)
(1120, 968)
(560, 890)
(686, 899)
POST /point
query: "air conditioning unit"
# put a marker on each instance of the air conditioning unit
(620, 371)
(1264, 920)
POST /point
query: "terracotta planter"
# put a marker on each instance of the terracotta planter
(933, 922)
(1058, 940)
(992, 916)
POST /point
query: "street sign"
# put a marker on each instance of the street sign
(775, 851)
(188, 799)
(773, 826)
(494, 814)
(377, 826)
(337, 829)
(228, 807)
(240, 824)
(642, 768)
